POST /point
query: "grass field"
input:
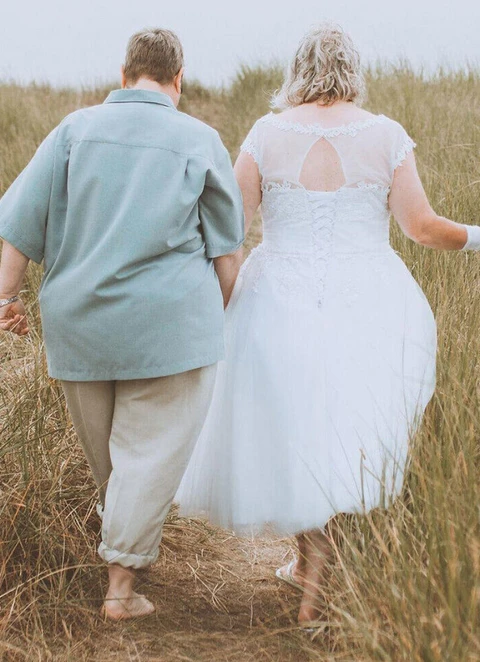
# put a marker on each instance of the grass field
(406, 585)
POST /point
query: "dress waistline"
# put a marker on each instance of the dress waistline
(272, 250)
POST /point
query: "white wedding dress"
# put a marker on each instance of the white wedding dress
(330, 341)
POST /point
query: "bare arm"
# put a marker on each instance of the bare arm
(227, 268)
(12, 274)
(412, 211)
(248, 178)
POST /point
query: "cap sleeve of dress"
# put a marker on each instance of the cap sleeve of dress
(402, 146)
(251, 144)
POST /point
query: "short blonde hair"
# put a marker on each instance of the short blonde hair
(155, 54)
(326, 68)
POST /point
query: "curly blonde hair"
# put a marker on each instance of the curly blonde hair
(326, 68)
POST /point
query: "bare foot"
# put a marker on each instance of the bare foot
(121, 602)
(311, 616)
(121, 609)
(318, 556)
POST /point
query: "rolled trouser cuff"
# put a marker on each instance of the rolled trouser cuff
(135, 561)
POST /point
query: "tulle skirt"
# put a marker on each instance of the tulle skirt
(317, 401)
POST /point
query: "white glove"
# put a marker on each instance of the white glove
(473, 238)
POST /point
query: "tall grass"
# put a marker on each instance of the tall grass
(406, 585)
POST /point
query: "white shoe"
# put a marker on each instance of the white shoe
(286, 575)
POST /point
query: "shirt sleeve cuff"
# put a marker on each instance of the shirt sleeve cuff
(12, 237)
(226, 249)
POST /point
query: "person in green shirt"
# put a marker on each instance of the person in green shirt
(133, 208)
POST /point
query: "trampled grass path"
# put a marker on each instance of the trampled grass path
(215, 602)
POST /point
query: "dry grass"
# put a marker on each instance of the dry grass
(406, 584)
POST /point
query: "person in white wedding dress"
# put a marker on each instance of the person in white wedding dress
(330, 341)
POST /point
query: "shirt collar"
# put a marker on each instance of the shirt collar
(139, 96)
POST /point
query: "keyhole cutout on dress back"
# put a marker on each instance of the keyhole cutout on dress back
(322, 168)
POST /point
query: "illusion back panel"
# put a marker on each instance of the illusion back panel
(322, 169)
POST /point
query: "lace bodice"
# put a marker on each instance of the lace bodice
(325, 190)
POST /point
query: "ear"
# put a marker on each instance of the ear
(123, 78)
(177, 81)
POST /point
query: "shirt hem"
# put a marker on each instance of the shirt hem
(121, 375)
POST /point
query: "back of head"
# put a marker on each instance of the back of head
(155, 54)
(326, 68)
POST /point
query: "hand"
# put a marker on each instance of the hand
(13, 318)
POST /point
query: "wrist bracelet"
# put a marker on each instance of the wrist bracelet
(7, 302)
(473, 238)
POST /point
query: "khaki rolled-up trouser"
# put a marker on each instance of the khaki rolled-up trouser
(138, 436)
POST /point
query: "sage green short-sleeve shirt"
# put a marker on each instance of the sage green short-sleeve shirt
(127, 203)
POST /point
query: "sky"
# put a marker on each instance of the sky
(80, 43)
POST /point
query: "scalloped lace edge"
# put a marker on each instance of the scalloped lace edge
(285, 186)
(407, 147)
(248, 146)
(350, 129)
